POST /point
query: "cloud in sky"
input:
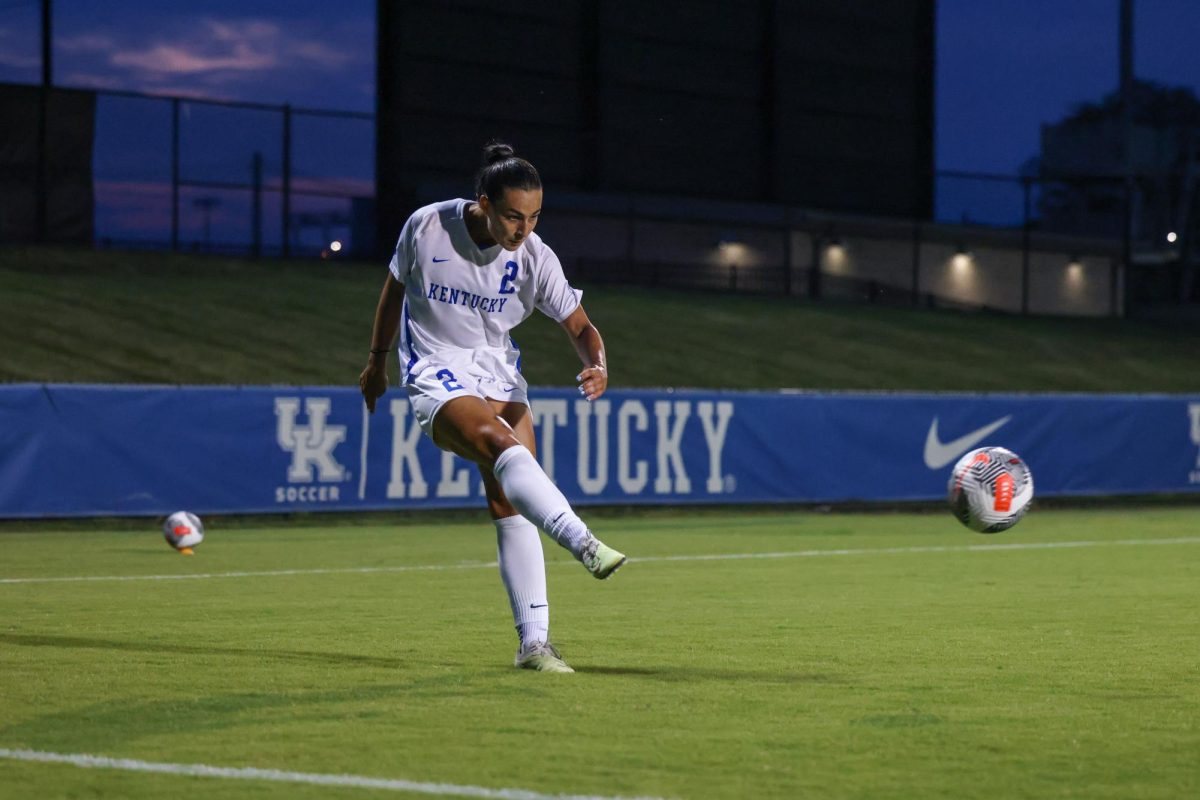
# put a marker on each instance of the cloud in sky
(220, 46)
(16, 54)
(305, 60)
(84, 43)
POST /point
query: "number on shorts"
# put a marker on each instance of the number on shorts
(448, 380)
(506, 286)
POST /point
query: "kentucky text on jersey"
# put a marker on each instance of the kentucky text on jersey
(457, 297)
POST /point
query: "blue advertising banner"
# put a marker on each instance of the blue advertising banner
(70, 450)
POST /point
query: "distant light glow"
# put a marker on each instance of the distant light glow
(961, 262)
(835, 257)
(1172, 236)
(335, 246)
(733, 252)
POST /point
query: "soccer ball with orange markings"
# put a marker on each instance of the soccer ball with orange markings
(183, 530)
(990, 489)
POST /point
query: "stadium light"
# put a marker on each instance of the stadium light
(1172, 236)
(962, 258)
(732, 249)
(335, 246)
(1074, 271)
(835, 252)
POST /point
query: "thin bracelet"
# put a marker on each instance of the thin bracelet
(384, 350)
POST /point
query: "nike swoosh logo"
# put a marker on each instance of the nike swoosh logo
(543, 605)
(938, 454)
(437, 260)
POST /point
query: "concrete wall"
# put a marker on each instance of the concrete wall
(702, 243)
(959, 266)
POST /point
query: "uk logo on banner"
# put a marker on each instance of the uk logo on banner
(311, 446)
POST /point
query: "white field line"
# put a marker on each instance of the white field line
(284, 776)
(866, 551)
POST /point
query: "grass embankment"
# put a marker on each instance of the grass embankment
(83, 316)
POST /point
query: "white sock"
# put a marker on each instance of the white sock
(523, 570)
(538, 499)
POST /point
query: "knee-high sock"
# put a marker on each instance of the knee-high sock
(538, 499)
(523, 570)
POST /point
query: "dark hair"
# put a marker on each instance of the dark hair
(502, 169)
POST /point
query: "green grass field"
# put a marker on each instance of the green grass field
(109, 317)
(829, 655)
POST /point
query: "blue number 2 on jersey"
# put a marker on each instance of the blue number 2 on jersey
(448, 380)
(510, 270)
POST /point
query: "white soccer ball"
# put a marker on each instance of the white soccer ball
(990, 489)
(183, 530)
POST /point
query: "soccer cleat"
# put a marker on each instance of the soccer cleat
(541, 656)
(600, 559)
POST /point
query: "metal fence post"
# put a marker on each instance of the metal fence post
(916, 262)
(175, 174)
(1027, 189)
(630, 233)
(787, 252)
(814, 272)
(256, 169)
(287, 181)
(1122, 275)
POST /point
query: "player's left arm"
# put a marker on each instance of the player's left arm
(593, 380)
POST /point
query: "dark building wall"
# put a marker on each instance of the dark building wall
(813, 103)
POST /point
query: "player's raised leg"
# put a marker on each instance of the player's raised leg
(469, 427)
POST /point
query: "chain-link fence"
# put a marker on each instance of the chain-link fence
(203, 175)
(230, 177)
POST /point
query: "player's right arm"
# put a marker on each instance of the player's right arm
(373, 381)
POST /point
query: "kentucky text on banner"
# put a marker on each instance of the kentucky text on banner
(69, 450)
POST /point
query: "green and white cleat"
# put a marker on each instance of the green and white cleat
(600, 559)
(541, 656)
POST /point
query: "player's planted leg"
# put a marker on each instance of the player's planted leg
(523, 570)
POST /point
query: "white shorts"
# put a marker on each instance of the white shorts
(441, 377)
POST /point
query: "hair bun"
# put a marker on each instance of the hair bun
(497, 151)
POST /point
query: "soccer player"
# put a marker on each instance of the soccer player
(463, 275)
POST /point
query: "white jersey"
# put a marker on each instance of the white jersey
(459, 297)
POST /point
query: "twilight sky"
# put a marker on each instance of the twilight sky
(1004, 67)
(311, 52)
(1007, 66)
